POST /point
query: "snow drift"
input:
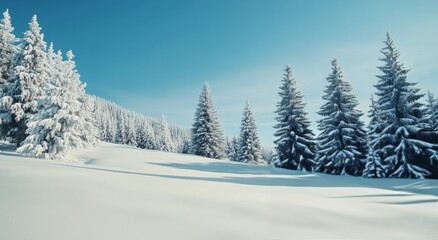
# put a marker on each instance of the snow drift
(119, 192)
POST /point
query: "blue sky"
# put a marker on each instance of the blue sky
(153, 56)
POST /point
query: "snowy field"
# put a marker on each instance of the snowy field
(118, 192)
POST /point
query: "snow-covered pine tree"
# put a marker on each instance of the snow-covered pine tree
(374, 167)
(63, 120)
(249, 150)
(232, 148)
(121, 136)
(31, 70)
(165, 142)
(406, 145)
(7, 53)
(342, 140)
(131, 133)
(141, 135)
(431, 113)
(207, 136)
(294, 143)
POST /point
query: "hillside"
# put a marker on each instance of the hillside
(119, 192)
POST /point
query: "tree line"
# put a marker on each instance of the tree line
(401, 140)
(45, 111)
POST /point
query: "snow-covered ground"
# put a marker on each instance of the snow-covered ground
(119, 192)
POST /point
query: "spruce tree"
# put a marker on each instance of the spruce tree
(233, 146)
(121, 136)
(431, 113)
(404, 143)
(207, 136)
(374, 167)
(342, 140)
(62, 122)
(7, 53)
(31, 70)
(165, 142)
(249, 150)
(295, 146)
(7, 50)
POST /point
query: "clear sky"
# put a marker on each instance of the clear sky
(153, 56)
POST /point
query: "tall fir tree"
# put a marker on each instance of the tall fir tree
(342, 140)
(8, 50)
(31, 70)
(62, 122)
(207, 136)
(405, 145)
(249, 150)
(295, 145)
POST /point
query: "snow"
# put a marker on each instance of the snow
(120, 192)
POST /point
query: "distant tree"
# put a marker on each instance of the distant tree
(295, 146)
(131, 134)
(249, 144)
(207, 136)
(122, 136)
(404, 143)
(165, 142)
(342, 141)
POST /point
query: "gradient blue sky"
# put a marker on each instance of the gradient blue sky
(153, 56)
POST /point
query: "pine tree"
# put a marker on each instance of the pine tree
(62, 122)
(294, 142)
(233, 146)
(207, 136)
(7, 50)
(7, 53)
(431, 113)
(31, 70)
(374, 167)
(342, 141)
(121, 136)
(404, 144)
(165, 142)
(131, 134)
(249, 150)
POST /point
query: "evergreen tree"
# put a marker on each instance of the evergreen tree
(404, 143)
(7, 53)
(31, 70)
(62, 122)
(294, 141)
(249, 144)
(122, 136)
(373, 167)
(131, 134)
(233, 146)
(207, 136)
(342, 141)
(7, 50)
(165, 142)
(431, 113)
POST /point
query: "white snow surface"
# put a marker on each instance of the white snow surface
(119, 192)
